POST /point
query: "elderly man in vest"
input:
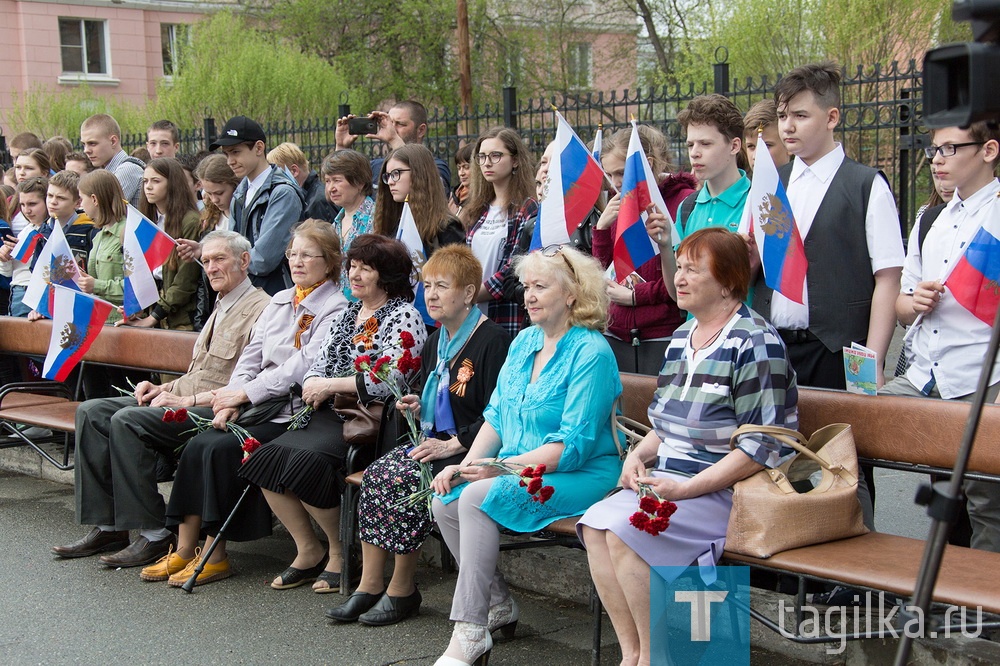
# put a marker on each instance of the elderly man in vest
(118, 439)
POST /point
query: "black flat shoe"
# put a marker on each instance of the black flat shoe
(292, 577)
(332, 580)
(390, 610)
(352, 609)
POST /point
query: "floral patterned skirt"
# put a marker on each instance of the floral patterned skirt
(387, 481)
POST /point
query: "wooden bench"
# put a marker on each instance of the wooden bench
(909, 434)
(52, 405)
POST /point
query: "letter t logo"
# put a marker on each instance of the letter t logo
(701, 610)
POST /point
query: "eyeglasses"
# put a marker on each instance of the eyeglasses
(393, 176)
(553, 250)
(490, 158)
(948, 149)
(294, 256)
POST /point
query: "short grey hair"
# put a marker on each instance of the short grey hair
(236, 242)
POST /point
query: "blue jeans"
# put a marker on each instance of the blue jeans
(17, 308)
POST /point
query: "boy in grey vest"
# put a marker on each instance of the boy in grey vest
(853, 243)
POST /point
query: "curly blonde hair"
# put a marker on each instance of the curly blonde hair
(579, 274)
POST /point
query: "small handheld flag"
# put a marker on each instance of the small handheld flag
(27, 241)
(975, 280)
(55, 265)
(598, 141)
(77, 319)
(146, 248)
(407, 234)
(782, 253)
(574, 182)
(633, 246)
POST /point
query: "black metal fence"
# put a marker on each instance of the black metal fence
(881, 113)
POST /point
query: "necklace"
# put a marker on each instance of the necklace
(716, 335)
(710, 340)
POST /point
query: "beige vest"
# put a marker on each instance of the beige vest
(218, 348)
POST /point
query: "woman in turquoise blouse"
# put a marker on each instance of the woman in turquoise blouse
(552, 406)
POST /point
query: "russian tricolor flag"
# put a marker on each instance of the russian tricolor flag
(146, 248)
(598, 142)
(77, 319)
(633, 246)
(408, 235)
(782, 254)
(575, 182)
(975, 280)
(55, 265)
(27, 241)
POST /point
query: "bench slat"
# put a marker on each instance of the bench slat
(60, 416)
(891, 563)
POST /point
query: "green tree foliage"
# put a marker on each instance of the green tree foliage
(770, 37)
(231, 68)
(48, 113)
(387, 49)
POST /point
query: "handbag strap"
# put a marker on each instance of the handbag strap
(792, 438)
(623, 426)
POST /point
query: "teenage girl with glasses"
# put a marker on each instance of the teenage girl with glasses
(501, 200)
(410, 175)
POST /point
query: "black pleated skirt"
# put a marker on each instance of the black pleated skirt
(207, 485)
(308, 462)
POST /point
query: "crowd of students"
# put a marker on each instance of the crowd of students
(859, 283)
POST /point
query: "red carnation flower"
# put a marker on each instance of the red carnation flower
(639, 520)
(250, 445)
(168, 416)
(545, 494)
(406, 340)
(528, 472)
(180, 415)
(381, 361)
(361, 362)
(666, 509)
(534, 485)
(522, 483)
(657, 525)
(649, 504)
(539, 470)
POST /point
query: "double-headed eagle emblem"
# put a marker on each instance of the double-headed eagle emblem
(775, 219)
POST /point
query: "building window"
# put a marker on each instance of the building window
(578, 66)
(84, 46)
(172, 36)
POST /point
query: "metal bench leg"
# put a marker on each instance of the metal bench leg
(348, 516)
(597, 610)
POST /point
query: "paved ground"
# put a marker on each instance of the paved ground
(76, 612)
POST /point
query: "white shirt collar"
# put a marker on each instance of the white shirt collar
(824, 168)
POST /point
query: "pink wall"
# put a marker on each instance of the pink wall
(30, 55)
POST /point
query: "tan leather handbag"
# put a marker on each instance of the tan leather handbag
(811, 498)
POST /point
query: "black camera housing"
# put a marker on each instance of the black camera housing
(959, 78)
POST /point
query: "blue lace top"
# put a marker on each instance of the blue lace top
(570, 402)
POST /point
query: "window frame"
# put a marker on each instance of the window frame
(76, 77)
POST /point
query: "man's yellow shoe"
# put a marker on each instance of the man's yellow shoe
(164, 567)
(211, 572)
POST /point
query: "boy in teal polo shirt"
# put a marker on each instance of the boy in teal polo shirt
(714, 128)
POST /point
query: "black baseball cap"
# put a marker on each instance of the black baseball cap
(239, 129)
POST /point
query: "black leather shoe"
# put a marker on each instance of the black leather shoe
(390, 610)
(140, 552)
(92, 544)
(356, 604)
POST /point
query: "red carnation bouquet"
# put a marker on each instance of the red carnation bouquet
(380, 369)
(248, 442)
(530, 479)
(654, 512)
